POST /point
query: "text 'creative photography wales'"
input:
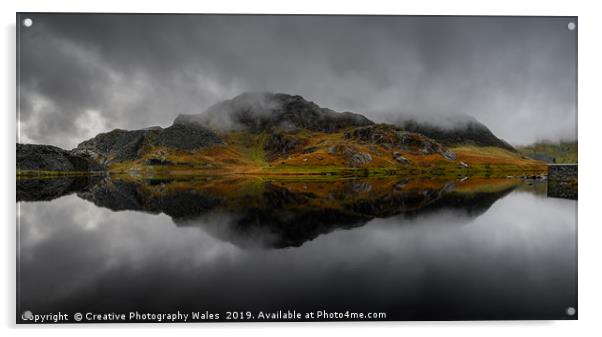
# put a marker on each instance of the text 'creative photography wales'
(282, 168)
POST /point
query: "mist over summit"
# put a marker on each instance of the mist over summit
(265, 111)
(258, 111)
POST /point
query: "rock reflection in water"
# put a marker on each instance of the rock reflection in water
(260, 213)
(415, 249)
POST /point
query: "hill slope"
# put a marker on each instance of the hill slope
(565, 152)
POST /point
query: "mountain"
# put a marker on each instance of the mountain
(256, 112)
(280, 134)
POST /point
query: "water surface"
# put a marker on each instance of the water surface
(416, 250)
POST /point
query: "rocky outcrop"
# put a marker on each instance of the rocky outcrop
(359, 159)
(31, 157)
(117, 145)
(256, 112)
(278, 144)
(125, 145)
(463, 130)
(392, 138)
(353, 157)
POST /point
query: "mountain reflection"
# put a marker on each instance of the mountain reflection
(275, 213)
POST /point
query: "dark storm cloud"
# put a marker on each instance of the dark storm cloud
(84, 74)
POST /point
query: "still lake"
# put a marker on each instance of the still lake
(413, 250)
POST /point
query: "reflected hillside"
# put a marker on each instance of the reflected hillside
(47, 189)
(276, 213)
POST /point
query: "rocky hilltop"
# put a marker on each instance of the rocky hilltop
(273, 134)
(257, 112)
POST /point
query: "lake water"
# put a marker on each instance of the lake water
(415, 250)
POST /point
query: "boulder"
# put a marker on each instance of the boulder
(401, 159)
(449, 155)
(358, 159)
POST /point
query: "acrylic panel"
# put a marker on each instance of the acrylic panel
(233, 168)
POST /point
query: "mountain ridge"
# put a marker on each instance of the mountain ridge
(266, 133)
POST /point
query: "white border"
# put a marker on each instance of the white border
(590, 126)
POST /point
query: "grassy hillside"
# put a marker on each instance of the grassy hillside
(563, 152)
(328, 154)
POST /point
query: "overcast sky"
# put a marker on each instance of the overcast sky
(85, 74)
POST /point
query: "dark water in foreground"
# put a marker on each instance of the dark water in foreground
(415, 250)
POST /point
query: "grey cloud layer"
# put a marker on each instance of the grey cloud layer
(84, 74)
